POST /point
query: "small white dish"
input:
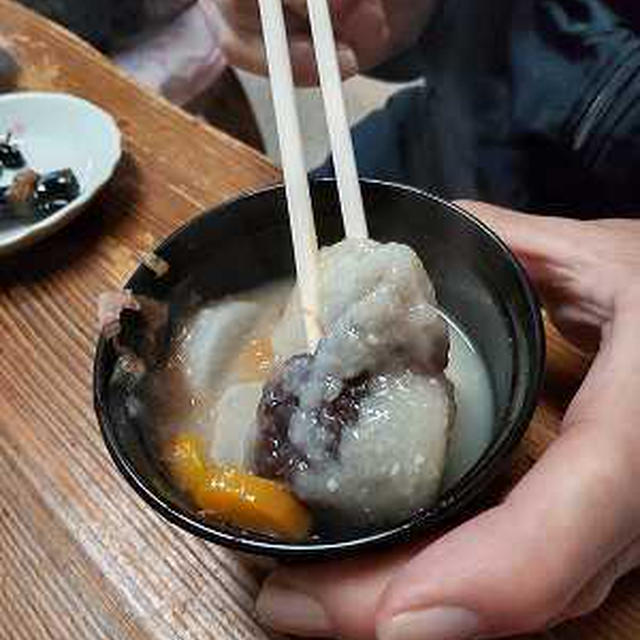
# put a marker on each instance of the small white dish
(57, 131)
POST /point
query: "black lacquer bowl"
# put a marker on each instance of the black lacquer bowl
(246, 243)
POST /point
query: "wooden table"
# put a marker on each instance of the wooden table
(80, 556)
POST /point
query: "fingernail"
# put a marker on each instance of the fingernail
(292, 612)
(348, 61)
(440, 623)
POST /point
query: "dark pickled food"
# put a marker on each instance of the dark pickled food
(57, 185)
(10, 155)
(54, 191)
(32, 197)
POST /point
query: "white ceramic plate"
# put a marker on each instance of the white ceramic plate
(57, 131)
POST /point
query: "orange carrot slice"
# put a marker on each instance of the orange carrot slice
(254, 503)
(238, 498)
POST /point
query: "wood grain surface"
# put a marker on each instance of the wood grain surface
(80, 555)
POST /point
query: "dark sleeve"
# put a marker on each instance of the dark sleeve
(610, 147)
(104, 22)
(92, 21)
(535, 103)
(576, 103)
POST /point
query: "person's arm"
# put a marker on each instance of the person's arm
(554, 548)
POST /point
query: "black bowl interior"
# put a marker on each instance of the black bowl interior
(246, 243)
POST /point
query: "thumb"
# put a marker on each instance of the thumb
(542, 555)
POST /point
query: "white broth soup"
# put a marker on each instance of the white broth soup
(367, 452)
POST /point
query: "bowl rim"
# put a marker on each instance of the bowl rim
(472, 483)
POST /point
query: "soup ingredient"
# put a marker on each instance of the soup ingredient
(10, 155)
(220, 358)
(361, 427)
(224, 414)
(278, 453)
(228, 342)
(235, 417)
(138, 327)
(233, 496)
(378, 309)
(212, 340)
(373, 455)
(253, 503)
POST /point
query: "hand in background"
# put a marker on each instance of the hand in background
(554, 548)
(368, 32)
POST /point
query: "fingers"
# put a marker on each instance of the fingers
(249, 54)
(543, 244)
(335, 598)
(514, 569)
(240, 37)
(557, 248)
(365, 27)
(570, 263)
